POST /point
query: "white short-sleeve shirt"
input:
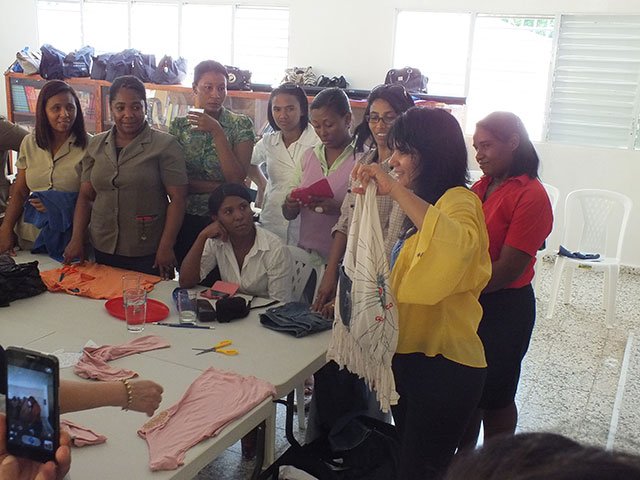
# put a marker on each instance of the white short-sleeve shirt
(284, 171)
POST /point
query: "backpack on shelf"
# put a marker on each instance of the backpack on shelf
(169, 71)
(238, 79)
(99, 66)
(300, 76)
(143, 66)
(78, 63)
(410, 78)
(29, 60)
(119, 64)
(51, 63)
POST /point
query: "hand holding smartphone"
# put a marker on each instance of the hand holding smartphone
(32, 406)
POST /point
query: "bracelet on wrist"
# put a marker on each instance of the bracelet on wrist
(127, 386)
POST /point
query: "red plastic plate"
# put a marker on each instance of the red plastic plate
(156, 310)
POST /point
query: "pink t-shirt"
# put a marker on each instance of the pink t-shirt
(214, 399)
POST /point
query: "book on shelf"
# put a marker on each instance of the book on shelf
(32, 97)
(87, 104)
(19, 99)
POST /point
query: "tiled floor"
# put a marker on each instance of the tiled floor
(570, 374)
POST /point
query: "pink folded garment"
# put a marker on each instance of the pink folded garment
(212, 401)
(93, 363)
(81, 436)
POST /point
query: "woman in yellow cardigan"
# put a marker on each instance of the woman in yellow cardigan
(440, 266)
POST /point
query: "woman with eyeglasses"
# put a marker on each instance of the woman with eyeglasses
(217, 146)
(384, 104)
(288, 114)
(332, 159)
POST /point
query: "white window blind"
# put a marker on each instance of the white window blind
(154, 28)
(105, 25)
(261, 42)
(596, 83)
(437, 44)
(59, 24)
(509, 71)
(254, 38)
(202, 42)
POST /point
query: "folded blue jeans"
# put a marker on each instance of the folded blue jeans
(295, 318)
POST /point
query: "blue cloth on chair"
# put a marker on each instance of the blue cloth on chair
(55, 224)
(578, 255)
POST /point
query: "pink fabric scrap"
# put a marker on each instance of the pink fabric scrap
(93, 362)
(81, 436)
(212, 401)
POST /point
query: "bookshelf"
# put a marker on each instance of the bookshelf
(165, 102)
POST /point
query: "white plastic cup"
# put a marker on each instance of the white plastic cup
(195, 110)
(135, 309)
(187, 306)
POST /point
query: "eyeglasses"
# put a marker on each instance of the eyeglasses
(387, 119)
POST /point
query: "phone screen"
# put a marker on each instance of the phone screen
(212, 294)
(32, 411)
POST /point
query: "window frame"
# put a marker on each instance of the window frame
(235, 6)
(633, 141)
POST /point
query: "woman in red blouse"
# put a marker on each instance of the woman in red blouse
(519, 219)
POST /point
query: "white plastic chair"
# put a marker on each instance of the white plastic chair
(595, 222)
(554, 195)
(302, 270)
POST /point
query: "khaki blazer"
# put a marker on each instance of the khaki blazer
(129, 211)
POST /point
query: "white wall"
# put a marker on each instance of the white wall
(355, 38)
(19, 29)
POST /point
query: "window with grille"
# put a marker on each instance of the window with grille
(497, 62)
(595, 91)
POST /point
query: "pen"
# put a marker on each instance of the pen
(184, 325)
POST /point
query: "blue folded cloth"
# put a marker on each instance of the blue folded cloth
(295, 318)
(55, 224)
(578, 255)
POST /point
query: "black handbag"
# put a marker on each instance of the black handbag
(238, 79)
(409, 77)
(143, 66)
(78, 63)
(169, 71)
(18, 280)
(120, 63)
(99, 66)
(51, 62)
(339, 82)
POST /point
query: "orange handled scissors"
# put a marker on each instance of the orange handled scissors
(219, 348)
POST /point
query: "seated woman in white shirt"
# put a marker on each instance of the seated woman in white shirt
(247, 255)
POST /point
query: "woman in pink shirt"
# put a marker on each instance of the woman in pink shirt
(333, 159)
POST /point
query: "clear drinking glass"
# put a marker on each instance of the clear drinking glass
(135, 309)
(187, 306)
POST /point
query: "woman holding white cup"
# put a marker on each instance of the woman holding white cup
(217, 145)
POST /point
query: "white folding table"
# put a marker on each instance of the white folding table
(53, 321)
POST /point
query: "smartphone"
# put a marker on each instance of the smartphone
(32, 408)
(213, 294)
